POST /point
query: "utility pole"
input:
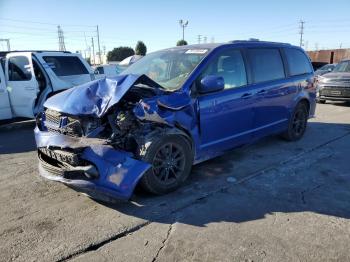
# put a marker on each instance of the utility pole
(7, 40)
(98, 43)
(205, 40)
(183, 24)
(199, 38)
(61, 45)
(301, 32)
(93, 51)
(340, 46)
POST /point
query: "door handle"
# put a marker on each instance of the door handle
(247, 95)
(29, 88)
(261, 92)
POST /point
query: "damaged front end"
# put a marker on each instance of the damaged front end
(91, 137)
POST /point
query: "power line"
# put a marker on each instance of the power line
(41, 23)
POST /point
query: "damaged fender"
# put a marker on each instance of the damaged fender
(118, 172)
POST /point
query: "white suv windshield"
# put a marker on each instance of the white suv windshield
(169, 68)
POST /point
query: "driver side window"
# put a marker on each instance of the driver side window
(19, 69)
(230, 65)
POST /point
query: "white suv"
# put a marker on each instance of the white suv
(28, 78)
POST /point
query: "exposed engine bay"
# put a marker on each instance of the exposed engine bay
(119, 127)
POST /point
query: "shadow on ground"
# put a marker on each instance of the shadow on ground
(17, 141)
(319, 182)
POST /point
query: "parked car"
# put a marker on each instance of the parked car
(335, 86)
(317, 65)
(325, 69)
(130, 60)
(27, 79)
(172, 109)
(109, 70)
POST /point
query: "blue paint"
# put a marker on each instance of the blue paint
(215, 120)
(118, 171)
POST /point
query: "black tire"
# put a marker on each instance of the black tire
(321, 101)
(171, 158)
(297, 123)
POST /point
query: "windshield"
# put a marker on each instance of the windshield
(326, 67)
(342, 67)
(169, 68)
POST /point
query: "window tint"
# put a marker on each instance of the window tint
(297, 61)
(230, 65)
(66, 65)
(266, 64)
(19, 69)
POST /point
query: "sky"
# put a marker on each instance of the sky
(32, 24)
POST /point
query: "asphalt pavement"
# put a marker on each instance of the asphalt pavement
(272, 201)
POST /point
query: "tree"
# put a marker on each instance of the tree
(181, 42)
(140, 48)
(119, 53)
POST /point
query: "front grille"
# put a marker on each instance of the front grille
(53, 117)
(71, 158)
(53, 167)
(59, 123)
(335, 91)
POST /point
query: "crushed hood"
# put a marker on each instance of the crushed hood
(96, 97)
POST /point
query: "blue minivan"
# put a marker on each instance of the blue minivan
(170, 110)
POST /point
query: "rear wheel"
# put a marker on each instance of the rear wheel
(171, 158)
(321, 101)
(297, 123)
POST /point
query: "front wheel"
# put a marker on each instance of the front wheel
(297, 123)
(171, 158)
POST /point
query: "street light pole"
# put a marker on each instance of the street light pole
(183, 24)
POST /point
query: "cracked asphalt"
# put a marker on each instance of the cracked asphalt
(272, 201)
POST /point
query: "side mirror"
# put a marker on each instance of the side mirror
(211, 83)
(96, 72)
(329, 69)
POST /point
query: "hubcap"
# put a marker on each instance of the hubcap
(168, 163)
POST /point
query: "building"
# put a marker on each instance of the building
(329, 56)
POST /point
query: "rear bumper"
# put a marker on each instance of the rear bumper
(118, 172)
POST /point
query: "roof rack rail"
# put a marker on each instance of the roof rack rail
(3, 53)
(256, 40)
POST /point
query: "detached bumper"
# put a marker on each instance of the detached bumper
(117, 172)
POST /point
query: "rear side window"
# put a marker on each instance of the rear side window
(19, 69)
(297, 61)
(266, 64)
(66, 65)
